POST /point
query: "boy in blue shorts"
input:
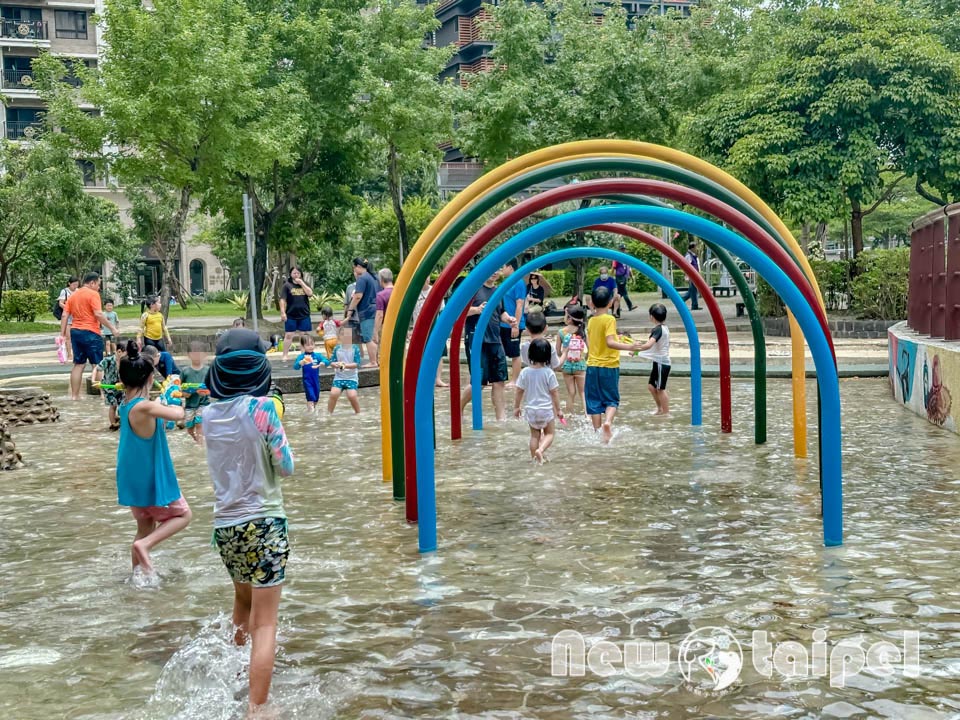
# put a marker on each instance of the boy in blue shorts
(602, 391)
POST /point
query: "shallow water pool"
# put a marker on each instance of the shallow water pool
(668, 530)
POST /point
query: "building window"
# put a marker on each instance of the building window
(89, 172)
(71, 25)
(21, 14)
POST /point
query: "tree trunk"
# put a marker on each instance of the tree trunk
(580, 272)
(856, 227)
(169, 253)
(394, 180)
(3, 279)
(805, 238)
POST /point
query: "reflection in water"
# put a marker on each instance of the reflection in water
(668, 530)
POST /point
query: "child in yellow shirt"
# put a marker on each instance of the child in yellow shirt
(152, 327)
(602, 387)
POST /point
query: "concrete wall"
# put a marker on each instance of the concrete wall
(924, 374)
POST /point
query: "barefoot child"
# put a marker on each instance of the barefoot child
(309, 362)
(538, 386)
(153, 328)
(196, 374)
(658, 347)
(327, 329)
(146, 481)
(346, 360)
(572, 341)
(108, 373)
(602, 386)
(247, 452)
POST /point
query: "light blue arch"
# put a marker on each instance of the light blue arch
(829, 388)
(696, 383)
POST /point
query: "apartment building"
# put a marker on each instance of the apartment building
(66, 28)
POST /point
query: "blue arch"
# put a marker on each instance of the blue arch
(696, 383)
(829, 388)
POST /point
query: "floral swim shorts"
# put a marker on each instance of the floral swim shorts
(254, 552)
(346, 384)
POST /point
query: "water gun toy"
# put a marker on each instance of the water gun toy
(195, 389)
(61, 349)
(171, 394)
(276, 394)
(276, 344)
(110, 386)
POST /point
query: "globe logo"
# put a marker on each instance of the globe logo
(710, 658)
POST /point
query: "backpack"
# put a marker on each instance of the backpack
(575, 349)
(56, 309)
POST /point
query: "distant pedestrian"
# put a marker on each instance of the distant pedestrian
(622, 274)
(691, 293)
(383, 297)
(73, 282)
(607, 283)
(295, 308)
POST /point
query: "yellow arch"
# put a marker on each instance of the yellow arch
(570, 151)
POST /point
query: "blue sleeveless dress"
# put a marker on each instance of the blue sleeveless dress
(145, 475)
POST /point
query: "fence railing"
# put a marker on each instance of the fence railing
(24, 29)
(13, 78)
(933, 303)
(22, 129)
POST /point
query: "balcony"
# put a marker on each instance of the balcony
(16, 79)
(29, 31)
(22, 129)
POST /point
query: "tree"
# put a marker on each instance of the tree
(406, 111)
(305, 199)
(191, 96)
(560, 75)
(40, 187)
(378, 230)
(854, 100)
(90, 236)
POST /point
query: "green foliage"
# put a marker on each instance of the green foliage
(90, 236)
(849, 99)
(833, 277)
(221, 296)
(40, 189)
(769, 303)
(377, 226)
(560, 75)
(561, 282)
(879, 289)
(24, 305)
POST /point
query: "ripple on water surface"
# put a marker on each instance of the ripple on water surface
(668, 530)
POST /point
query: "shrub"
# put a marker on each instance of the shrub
(879, 289)
(25, 305)
(220, 296)
(561, 283)
(769, 303)
(833, 277)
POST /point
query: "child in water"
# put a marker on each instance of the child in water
(108, 373)
(309, 362)
(346, 360)
(247, 453)
(572, 341)
(328, 329)
(146, 481)
(538, 385)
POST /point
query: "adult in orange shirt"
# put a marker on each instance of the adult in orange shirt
(85, 338)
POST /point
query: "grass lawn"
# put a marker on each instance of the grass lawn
(132, 312)
(14, 328)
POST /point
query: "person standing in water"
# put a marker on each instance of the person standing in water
(146, 481)
(247, 453)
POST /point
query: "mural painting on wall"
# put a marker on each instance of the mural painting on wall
(921, 377)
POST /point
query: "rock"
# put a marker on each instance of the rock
(26, 406)
(9, 457)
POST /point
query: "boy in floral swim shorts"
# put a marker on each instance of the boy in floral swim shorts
(247, 451)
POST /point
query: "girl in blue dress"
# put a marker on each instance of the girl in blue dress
(146, 481)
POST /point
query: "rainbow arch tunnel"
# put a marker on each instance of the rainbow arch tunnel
(538, 167)
(829, 394)
(596, 188)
